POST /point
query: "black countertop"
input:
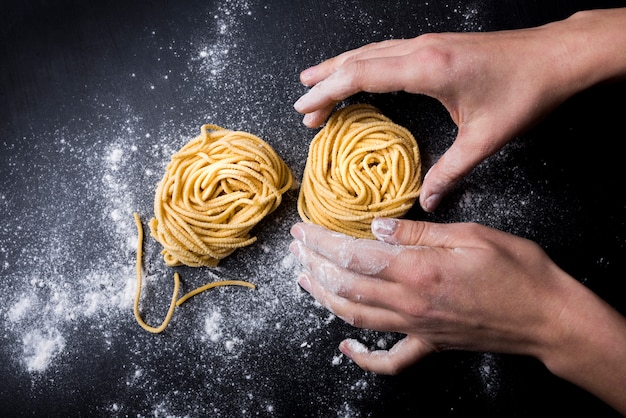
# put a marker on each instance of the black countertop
(94, 99)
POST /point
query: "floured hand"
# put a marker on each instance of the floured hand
(456, 286)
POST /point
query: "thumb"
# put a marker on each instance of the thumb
(403, 354)
(467, 151)
(417, 233)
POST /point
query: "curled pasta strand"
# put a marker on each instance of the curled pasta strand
(170, 311)
(174, 303)
(211, 286)
(360, 166)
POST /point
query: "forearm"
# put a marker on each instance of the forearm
(591, 351)
(588, 347)
(594, 47)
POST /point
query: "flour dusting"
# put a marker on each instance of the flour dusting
(68, 310)
(40, 348)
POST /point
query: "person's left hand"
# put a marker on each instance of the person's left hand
(446, 286)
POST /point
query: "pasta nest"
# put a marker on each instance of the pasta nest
(360, 166)
(214, 191)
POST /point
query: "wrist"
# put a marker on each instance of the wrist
(586, 345)
(592, 45)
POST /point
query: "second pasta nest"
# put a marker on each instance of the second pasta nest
(361, 165)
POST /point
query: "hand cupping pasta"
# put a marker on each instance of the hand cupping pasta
(360, 166)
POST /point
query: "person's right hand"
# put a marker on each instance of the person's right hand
(494, 85)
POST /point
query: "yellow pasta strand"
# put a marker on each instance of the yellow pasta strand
(212, 285)
(214, 191)
(174, 303)
(170, 311)
(360, 166)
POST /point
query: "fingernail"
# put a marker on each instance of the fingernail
(297, 232)
(301, 103)
(304, 282)
(431, 202)
(306, 76)
(294, 247)
(384, 227)
(351, 346)
(344, 347)
(307, 119)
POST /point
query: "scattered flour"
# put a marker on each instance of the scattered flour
(213, 327)
(40, 348)
(489, 373)
(59, 302)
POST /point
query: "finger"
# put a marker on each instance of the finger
(344, 283)
(430, 235)
(463, 156)
(403, 354)
(356, 314)
(388, 262)
(364, 256)
(313, 75)
(378, 75)
(316, 119)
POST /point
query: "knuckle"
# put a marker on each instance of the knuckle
(433, 49)
(328, 277)
(347, 258)
(414, 231)
(393, 368)
(416, 310)
(366, 256)
(435, 59)
(348, 255)
(426, 291)
(355, 319)
(352, 74)
(355, 74)
(429, 38)
(343, 290)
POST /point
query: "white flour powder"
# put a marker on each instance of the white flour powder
(51, 304)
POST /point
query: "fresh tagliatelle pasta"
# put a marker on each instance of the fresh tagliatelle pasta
(215, 190)
(361, 165)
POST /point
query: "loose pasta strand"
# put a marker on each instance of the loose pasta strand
(170, 311)
(360, 166)
(212, 285)
(174, 303)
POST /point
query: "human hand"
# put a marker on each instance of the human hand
(465, 286)
(494, 85)
(455, 286)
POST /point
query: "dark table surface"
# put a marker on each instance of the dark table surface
(94, 99)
